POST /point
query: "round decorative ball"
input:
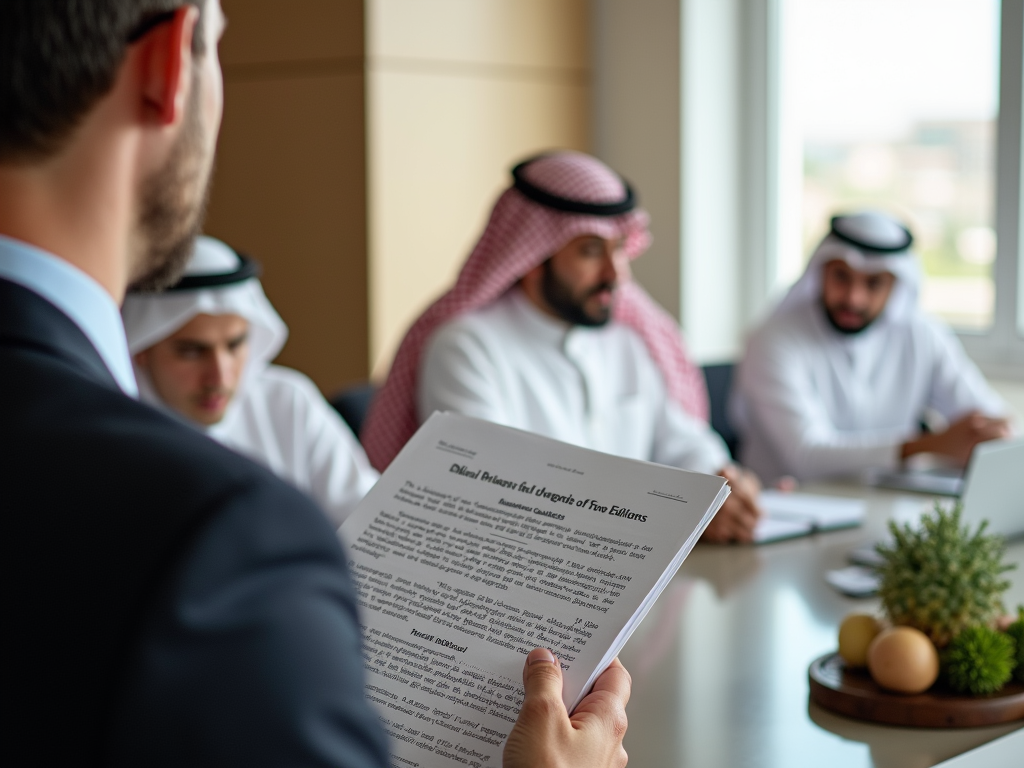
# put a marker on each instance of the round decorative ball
(904, 660)
(855, 635)
(980, 660)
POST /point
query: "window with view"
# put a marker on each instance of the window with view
(892, 105)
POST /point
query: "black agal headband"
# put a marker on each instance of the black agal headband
(246, 268)
(846, 229)
(567, 204)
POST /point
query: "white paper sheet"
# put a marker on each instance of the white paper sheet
(482, 542)
(798, 514)
(854, 580)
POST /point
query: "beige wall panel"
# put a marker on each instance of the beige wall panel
(637, 73)
(525, 33)
(267, 31)
(440, 151)
(290, 190)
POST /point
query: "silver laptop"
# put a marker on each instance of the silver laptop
(936, 482)
(993, 490)
(994, 487)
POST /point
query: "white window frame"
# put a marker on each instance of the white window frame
(688, 102)
(998, 350)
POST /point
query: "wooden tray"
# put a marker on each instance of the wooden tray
(853, 693)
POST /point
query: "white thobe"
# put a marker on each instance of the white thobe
(814, 403)
(595, 387)
(281, 420)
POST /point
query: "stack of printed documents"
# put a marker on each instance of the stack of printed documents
(480, 543)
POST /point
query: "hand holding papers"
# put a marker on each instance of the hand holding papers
(590, 738)
(482, 542)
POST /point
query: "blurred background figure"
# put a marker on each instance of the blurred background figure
(545, 331)
(841, 376)
(203, 349)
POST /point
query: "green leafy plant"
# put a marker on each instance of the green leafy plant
(979, 660)
(940, 577)
(1016, 633)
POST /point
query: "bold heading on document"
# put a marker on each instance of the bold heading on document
(557, 497)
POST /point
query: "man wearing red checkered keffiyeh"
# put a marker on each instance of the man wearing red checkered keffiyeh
(544, 331)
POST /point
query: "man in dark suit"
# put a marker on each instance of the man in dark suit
(166, 602)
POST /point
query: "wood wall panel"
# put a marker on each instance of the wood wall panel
(359, 161)
(457, 91)
(536, 34)
(266, 31)
(290, 183)
(432, 188)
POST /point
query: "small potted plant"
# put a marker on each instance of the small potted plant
(941, 586)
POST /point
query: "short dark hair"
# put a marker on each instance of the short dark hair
(58, 58)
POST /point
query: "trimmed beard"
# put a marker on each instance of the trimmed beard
(841, 329)
(569, 307)
(173, 204)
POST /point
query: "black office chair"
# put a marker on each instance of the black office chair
(719, 380)
(353, 403)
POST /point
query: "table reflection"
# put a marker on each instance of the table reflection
(719, 665)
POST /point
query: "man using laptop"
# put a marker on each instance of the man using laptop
(840, 377)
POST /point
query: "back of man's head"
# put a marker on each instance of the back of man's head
(58, 58)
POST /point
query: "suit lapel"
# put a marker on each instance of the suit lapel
(28, 320)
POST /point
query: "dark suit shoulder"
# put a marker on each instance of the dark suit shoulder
(143, 557)
(254, 657)
(67, 414)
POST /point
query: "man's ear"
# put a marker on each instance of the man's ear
(166, 64)
(142, 359)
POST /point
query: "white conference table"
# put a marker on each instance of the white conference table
(719, 665)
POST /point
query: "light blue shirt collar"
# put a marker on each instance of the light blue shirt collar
(76, 295)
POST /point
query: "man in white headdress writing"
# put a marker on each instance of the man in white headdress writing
(544, 331)
(839, 379)
(202, 349)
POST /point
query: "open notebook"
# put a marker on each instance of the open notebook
(788, 515)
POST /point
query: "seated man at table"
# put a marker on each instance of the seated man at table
(202, 349)
(840, 377)
(545, 332)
